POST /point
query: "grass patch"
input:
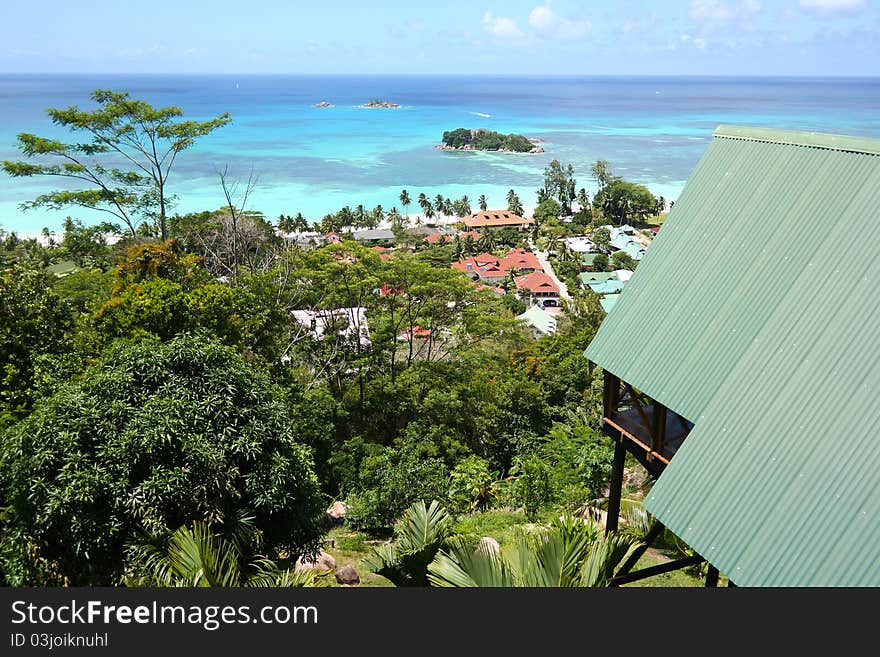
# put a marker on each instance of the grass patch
(499, 524)
(676, 578)
(349, 548)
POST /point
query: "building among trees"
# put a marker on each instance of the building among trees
(496, 219)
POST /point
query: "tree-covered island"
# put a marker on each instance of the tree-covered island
(464, 139)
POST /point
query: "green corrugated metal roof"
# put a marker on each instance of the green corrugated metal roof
(606, 287)
(539, 319)
(608, 302)
(588, 277)
(754, 342)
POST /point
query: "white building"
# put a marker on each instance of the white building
(348, 323)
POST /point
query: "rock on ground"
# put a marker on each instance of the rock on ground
(336, 512)
(347, 575)
(489, 545)
(323, 561)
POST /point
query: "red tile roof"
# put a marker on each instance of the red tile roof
(435, 238)
(537, 281)
(487, 265)
(522, 259)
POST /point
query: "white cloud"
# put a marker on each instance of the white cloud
(828, 7)
(698, 42)
(548, 23)
(501, 27)
(715, 11)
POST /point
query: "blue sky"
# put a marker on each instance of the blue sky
(615, 37)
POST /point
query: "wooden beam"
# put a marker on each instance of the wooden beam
(637, 404)
(711, 577)
(658, 428)
(655, 531)
(615, 488)
(659, 569)
(610, 394)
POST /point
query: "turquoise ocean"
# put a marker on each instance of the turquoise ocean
(652, 130)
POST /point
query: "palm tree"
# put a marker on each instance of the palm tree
(469, 245)
(464, 206)
(199, 556)
(418, 536)
(405, 200)
(439, 204)
(360, 215)
(285, 223)
(486, 241)
(448, 207)
(551, 242)
(300, 225)
(424, 203)
(457, 248)
(484, 203)
(565, 253)
(514, 205)
(572, 553)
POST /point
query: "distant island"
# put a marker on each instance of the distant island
(378, 102)
(464, 139)
(323, 103)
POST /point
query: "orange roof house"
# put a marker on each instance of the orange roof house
(522, 260)
(437, 238)
(496, 219)
(384, 253)
(491, 268)
(539, 286)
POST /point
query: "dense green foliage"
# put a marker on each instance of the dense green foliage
(33, 324)
(572, 552)
(208, 555)
(486, 140)
(152, 437)
(418, 536)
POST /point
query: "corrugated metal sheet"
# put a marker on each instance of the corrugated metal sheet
(778, 483)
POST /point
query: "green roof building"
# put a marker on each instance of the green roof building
(589, 277)
(754, 396)
(608, 302)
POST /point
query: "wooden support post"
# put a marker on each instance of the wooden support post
(711, 577)
(615, 490)
(656, 570)
(658, 428)
(655, 531)
(610, 394)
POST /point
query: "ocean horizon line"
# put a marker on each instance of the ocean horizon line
(508, 76)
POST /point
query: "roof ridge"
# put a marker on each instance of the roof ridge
(825, 140)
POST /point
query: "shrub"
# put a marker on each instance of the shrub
(390, 480)
(151, 438)
(533, 486)
(471, 485)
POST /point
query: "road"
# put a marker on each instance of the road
(548, 269)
